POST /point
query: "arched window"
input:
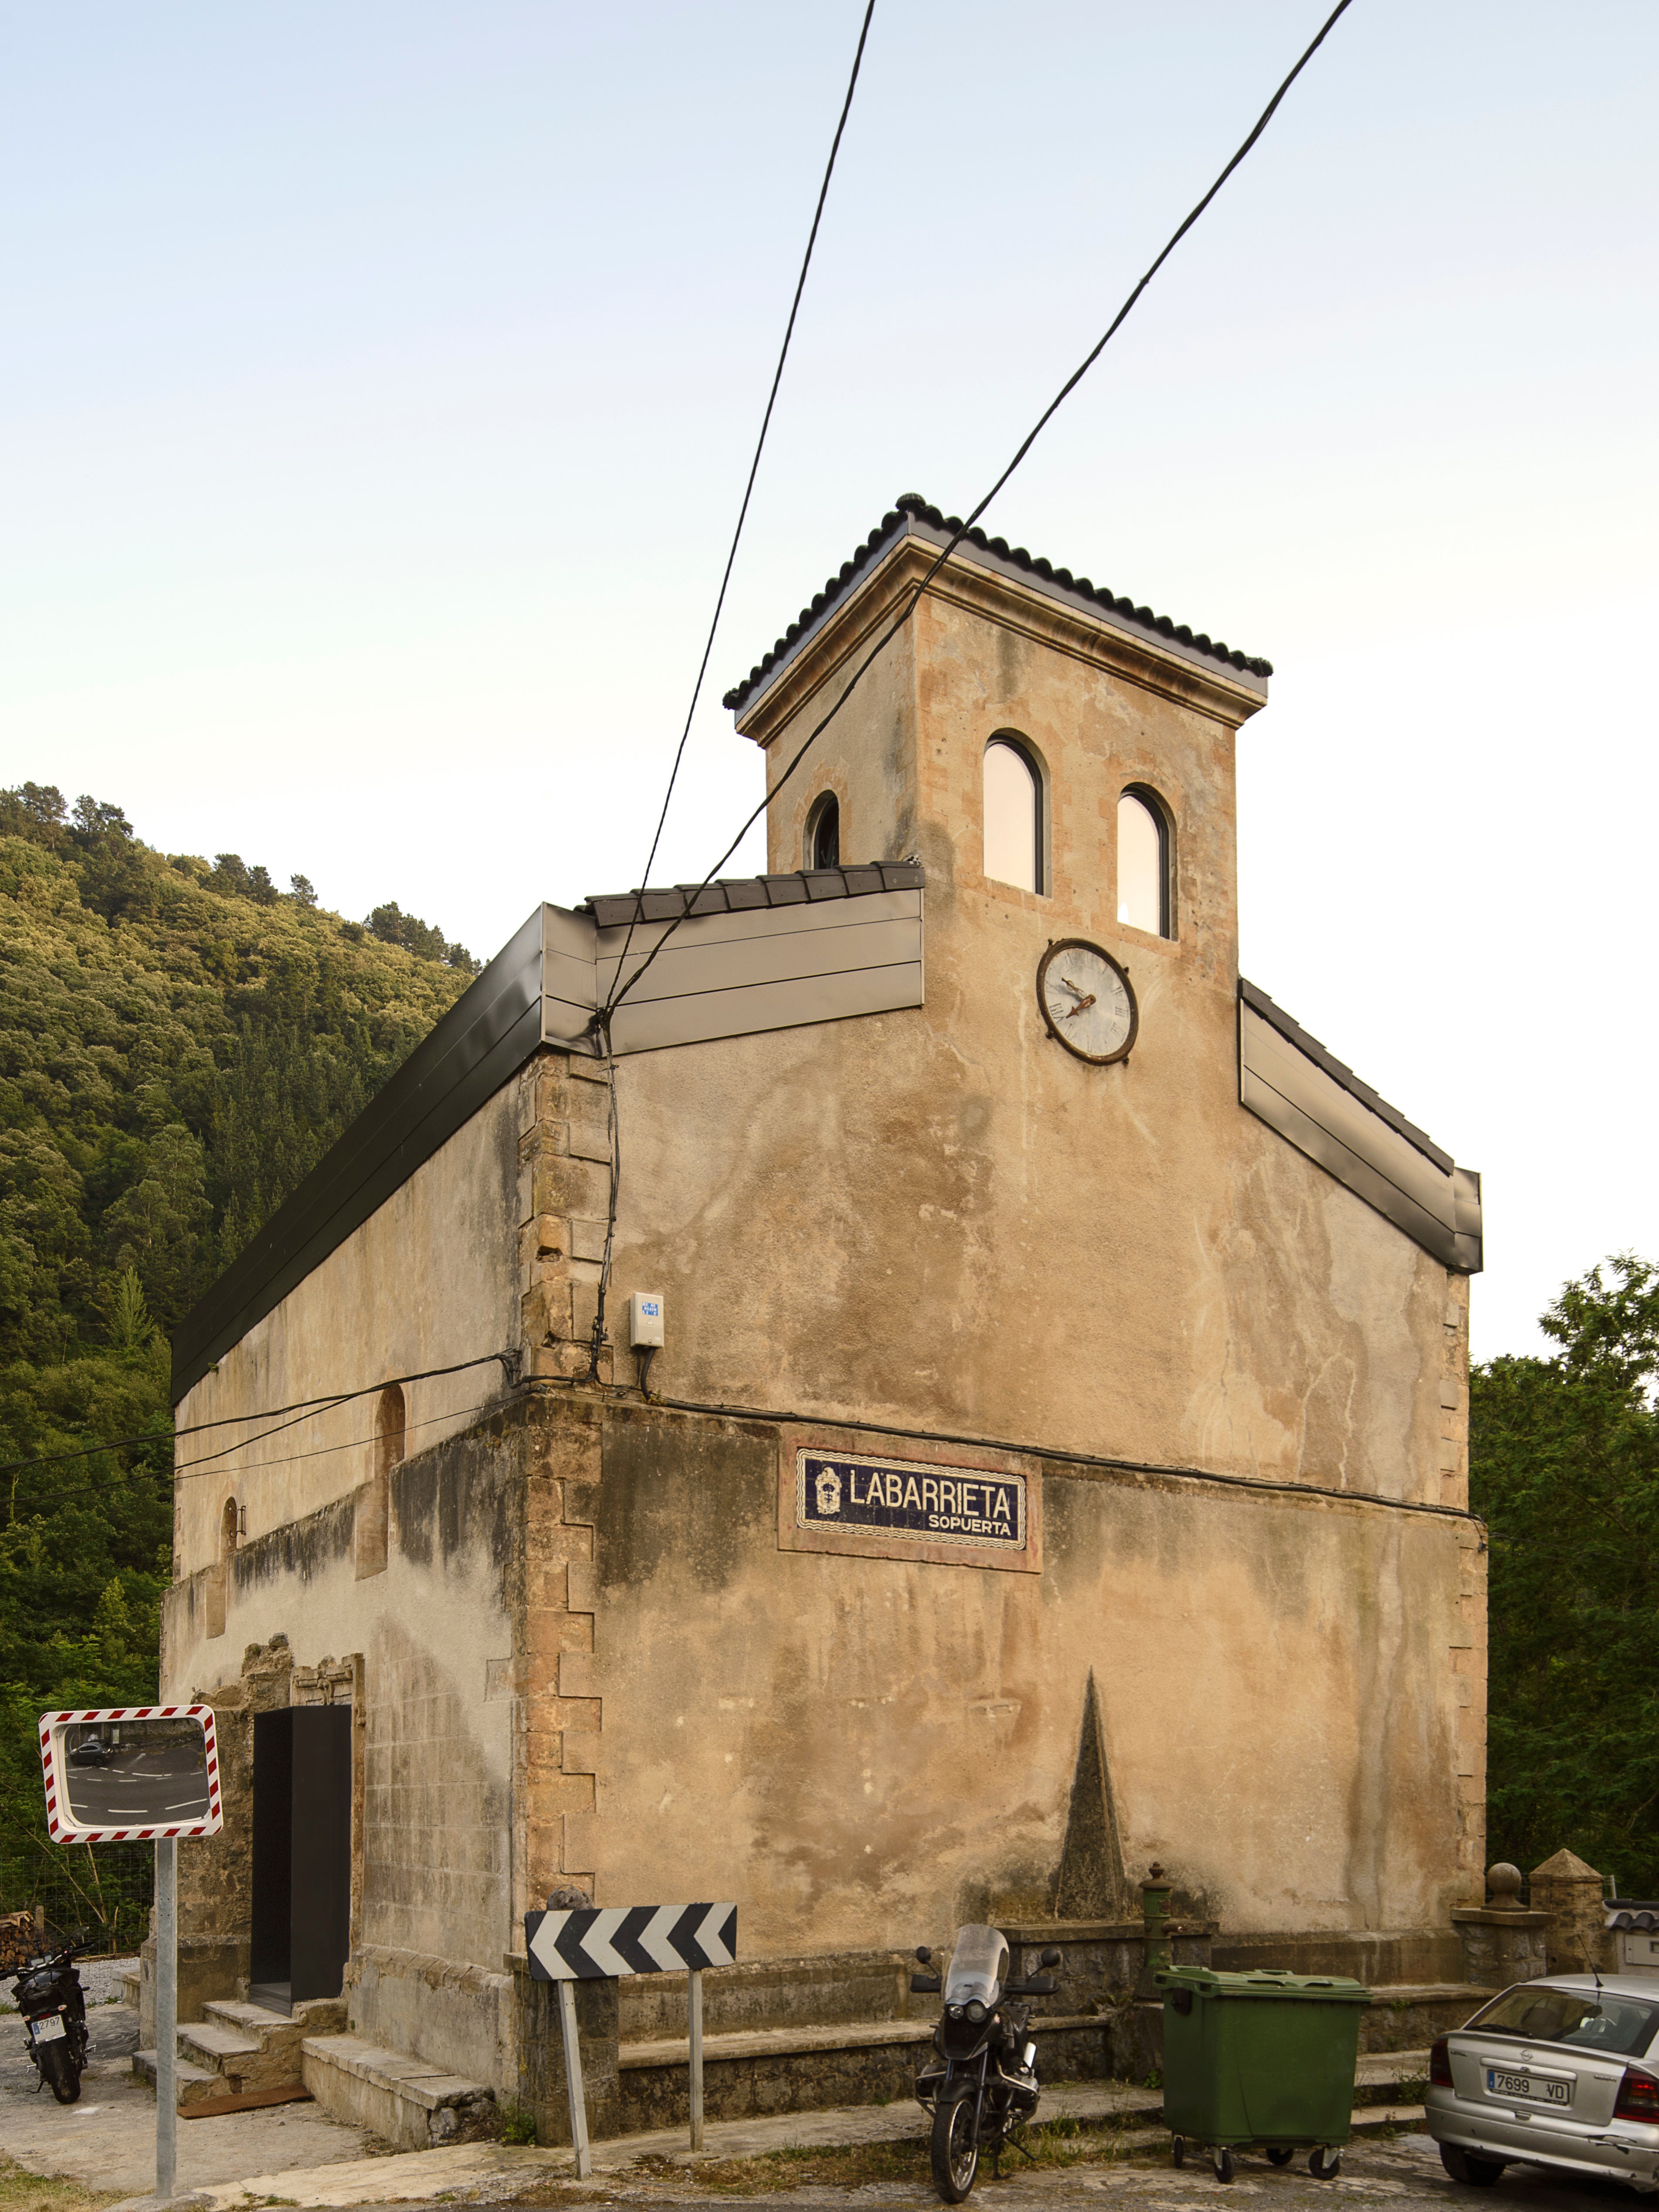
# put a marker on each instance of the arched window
(372, 1511)
(230, 1523)
(824, 832)
(1143, 863)
(1013, 816)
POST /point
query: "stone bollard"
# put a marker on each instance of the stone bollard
(1569, 1894)
(1503, 1942)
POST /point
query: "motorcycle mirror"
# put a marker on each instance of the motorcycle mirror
(924, 1956)
(131, 1773)
(1050, 1957)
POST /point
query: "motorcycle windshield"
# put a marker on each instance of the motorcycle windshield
(979, 1966)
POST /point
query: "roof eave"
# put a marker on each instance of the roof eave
(999, 589)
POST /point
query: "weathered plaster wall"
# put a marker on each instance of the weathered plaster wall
(432, 1277)
(436, 1634)
(941, 1218)
(867, 1751)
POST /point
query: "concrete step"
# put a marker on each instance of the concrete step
(202, 2094)
(798, 2069)
(759, 2071)
(256, 2049)
(1380, 2073)
(408, 2101)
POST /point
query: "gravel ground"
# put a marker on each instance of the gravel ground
(101, 1981)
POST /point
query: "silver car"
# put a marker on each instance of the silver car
(1555, 2072)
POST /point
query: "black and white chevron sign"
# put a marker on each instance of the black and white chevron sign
(629, 1939)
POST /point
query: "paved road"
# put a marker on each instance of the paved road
(1398, 2176)
(139, 1787)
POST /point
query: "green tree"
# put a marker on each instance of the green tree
(1564, 1468)
(179, 1044)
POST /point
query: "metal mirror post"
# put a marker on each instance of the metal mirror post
(130, 1774)
(167, 2014)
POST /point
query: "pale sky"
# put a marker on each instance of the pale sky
(378, 383)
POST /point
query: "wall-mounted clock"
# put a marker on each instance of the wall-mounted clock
(1087, 1001)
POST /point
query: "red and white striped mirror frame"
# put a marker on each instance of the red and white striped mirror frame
(66, 1830)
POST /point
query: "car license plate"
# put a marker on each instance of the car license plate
(49, 2029)
(1538, 2088)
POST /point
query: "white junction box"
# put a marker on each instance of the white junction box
(645, 1319)
(1636, 1949)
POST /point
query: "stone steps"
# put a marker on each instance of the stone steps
(202, 2094)
(407, 2101)
(241, 2056)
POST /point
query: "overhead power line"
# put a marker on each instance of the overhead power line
(754, 465)
(621, 988)
(300, 1407)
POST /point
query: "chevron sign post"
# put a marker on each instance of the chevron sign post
(631, 1939)
(591, 1942)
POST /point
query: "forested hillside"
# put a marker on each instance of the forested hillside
(1564, 1468)
(179, 1043)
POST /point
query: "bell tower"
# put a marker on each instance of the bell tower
(1060, 760)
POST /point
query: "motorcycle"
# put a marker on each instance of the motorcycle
(981, 2082)
(54, 2013)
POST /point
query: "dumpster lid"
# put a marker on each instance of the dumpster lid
(1328, 1989)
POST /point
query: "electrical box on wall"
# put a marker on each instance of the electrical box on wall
(645, 1319)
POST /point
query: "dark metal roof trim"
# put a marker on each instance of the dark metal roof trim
(497, 1024)
(911, 507)
(486, 1036)
(743, 894)
(1339, 1072)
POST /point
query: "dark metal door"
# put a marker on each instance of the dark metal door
(301, 1918)
(273, 1847)
(321, 1859)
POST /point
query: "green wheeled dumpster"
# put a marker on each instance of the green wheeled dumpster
(1259, 2061)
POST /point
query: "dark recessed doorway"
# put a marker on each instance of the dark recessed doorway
(301, 1925)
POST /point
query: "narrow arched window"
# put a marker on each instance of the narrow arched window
(1143, 863)
(372, 1512)
(824, 832)
(230, 1523)
(1013, 816)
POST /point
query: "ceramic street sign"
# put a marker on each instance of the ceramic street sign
(902, 1498)
(629, 1939)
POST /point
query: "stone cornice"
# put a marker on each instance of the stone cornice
(981, 582)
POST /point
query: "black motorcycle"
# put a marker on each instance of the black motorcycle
(981, 2082)
(54, 2012)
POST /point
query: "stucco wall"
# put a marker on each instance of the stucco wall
(432, 1277)
(436, 1632)
(866, 1751)
(941, 1217)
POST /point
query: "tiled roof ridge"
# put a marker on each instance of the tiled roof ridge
(913, 504)
(744, 894)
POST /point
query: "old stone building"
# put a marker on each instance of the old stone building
(1054, 1459)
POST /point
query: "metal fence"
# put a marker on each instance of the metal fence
(95, 1895)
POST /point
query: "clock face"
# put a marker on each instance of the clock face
(1086, 1001)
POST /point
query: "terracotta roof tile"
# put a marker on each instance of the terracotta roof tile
(911, 506)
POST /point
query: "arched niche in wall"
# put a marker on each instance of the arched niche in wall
(1014, 829)
(372, 1512)
(218, 1577)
